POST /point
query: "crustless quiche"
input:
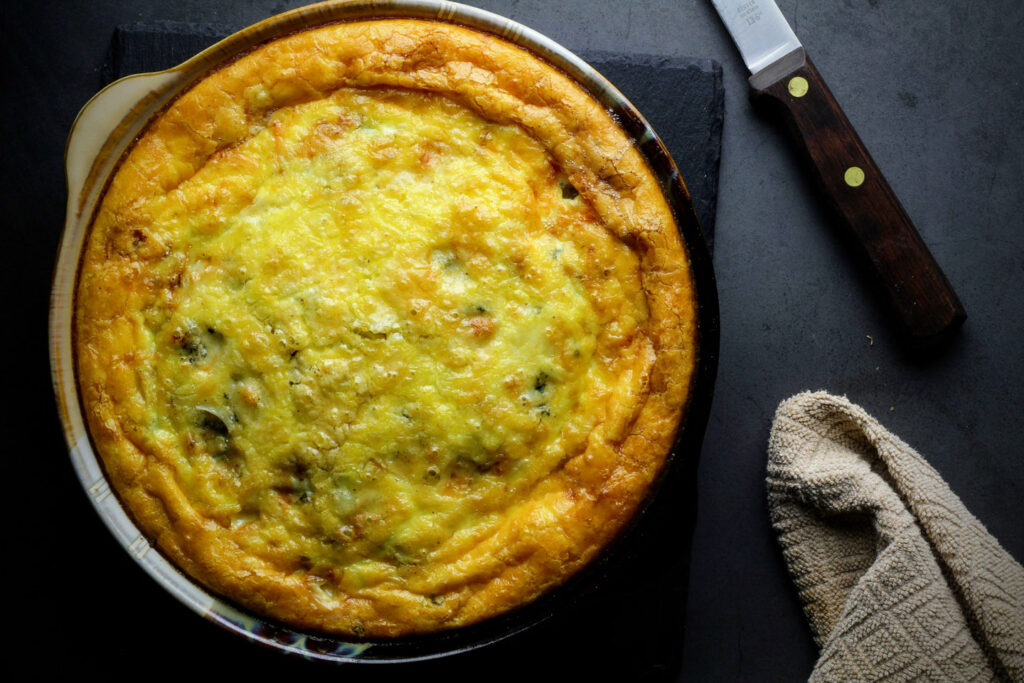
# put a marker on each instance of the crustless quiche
(383, 328)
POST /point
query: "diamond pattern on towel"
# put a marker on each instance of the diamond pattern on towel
(898, 580)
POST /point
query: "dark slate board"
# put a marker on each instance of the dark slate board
(633, 626)
(683, 99)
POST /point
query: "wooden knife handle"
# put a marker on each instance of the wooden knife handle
(920, 292)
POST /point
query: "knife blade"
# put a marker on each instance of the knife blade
(784, 78)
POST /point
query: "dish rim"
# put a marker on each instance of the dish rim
(107, 126)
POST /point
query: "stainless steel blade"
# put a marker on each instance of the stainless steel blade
(758, 29)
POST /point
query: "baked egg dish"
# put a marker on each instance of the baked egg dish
(384, 328)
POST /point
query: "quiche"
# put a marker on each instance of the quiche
(383, 328)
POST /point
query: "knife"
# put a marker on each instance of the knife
(783, 76)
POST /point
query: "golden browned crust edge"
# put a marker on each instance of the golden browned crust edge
(598, 491)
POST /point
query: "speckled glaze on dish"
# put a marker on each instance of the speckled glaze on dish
(106, 127)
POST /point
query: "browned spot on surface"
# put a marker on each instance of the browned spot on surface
(480, 326)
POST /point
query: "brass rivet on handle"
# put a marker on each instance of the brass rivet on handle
(854, 176)
(798, 86)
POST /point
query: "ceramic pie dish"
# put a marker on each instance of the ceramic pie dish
(264, 369)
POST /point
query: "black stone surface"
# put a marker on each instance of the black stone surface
(934, 90)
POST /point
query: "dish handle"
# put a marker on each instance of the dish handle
(95, 132)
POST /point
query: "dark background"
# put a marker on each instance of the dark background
(934, 90)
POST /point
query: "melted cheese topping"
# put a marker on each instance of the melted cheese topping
(383, 336)
(383, 328)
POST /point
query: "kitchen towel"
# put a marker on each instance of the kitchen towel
(898, 580)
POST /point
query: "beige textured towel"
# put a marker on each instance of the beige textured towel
(897, 579)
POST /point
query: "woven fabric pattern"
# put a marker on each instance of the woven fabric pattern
(898, 580)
